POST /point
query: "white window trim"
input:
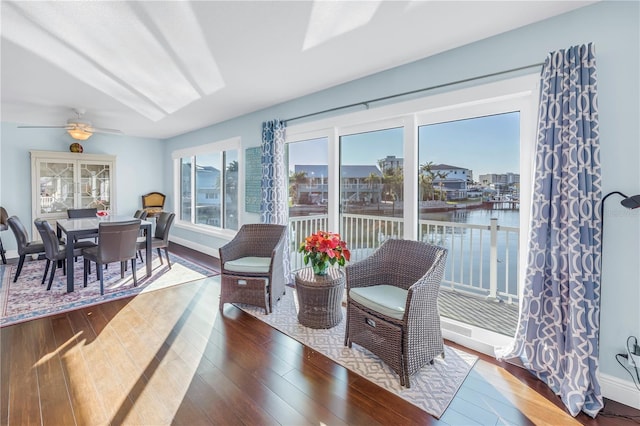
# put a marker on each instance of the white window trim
(519, 93)
(234, 143)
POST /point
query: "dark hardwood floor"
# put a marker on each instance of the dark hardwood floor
(170, 357)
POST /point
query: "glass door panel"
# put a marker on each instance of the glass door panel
(469, 191)
(95, 186)
(57, 187)
(308, 168)
(371, 189)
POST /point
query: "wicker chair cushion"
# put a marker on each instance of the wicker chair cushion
(253, 265)
(386, 299)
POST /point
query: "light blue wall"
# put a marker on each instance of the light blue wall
(614, 28)
(139, 164)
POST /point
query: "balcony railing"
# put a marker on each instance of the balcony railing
(482, 260)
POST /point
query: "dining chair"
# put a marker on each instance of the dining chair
(54, 251)
(153, 203)
(116, 243)
(142, 215)
(83, 213)
(25, 246)
(392, 304)
(80, 213)
(160, 237)
(3, 227)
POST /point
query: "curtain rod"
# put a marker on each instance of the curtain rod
(411, 92)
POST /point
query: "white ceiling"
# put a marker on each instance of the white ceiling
(159, 69)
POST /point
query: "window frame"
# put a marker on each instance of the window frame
(231, 144)
(512, 94)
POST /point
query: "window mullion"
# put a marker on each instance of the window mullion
(193, 190)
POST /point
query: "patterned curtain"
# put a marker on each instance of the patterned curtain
(274, 206)
(558, 331)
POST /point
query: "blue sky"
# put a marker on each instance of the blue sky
(485, 145)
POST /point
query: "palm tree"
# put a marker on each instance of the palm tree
(372, 180)
(428, 177)
(441, 176)
(295, 180)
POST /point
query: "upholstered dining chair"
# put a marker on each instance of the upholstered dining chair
(83, 213)
(153, 203)
(160, 237)
(79, 213)
(392, 304)
(140, 214)
(25, 246)
(54, 251)
(116, 243)
(3, 227)
(252, 266)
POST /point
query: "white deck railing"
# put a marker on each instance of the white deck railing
(482, 260)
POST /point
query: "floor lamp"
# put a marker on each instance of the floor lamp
(633, 350)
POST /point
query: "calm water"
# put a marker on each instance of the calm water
(477, 216)
(469, 253)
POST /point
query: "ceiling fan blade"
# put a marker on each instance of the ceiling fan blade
(103, 130)
(43, 127)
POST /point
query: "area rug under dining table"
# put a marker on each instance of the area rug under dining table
(27, 299)
(432, 388)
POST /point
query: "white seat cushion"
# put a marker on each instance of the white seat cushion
(252, 265)
(386, 299)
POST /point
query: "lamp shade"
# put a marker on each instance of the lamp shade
(79, 134)
(632, 202)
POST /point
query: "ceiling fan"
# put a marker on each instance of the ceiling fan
(78, 128)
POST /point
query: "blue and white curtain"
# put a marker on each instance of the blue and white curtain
(274, 206)
(558, 331)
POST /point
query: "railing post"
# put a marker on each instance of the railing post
(493, 261)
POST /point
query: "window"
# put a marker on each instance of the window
(418, 193)
(208, 185)
(309, 183)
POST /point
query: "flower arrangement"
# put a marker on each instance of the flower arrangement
(323, 249)
(102, 213)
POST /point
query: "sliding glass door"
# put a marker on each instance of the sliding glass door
(371, 189)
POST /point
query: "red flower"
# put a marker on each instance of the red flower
(325, 247)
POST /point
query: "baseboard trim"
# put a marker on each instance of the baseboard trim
(619, 390)
(475, 338)
(195, 246)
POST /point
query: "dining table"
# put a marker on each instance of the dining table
(73, 229)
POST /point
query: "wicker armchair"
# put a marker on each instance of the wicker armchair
(392, 304)
(252, 266)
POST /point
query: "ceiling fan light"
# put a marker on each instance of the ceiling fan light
(79, 134)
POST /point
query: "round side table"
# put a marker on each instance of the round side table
(319, 297)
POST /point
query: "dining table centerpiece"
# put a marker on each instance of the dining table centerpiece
(323, 249)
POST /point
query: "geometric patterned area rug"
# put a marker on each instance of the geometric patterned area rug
(27, 299)
(432, 388)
